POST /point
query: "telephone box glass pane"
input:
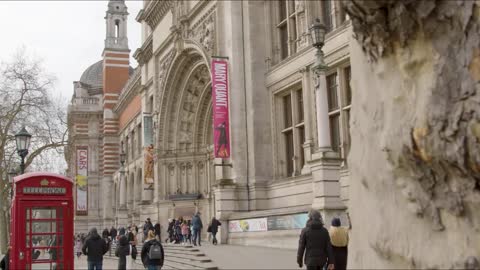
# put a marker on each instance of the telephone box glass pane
(43, 213)
(44, 226)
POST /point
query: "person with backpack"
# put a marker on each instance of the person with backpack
(122, 251)
(152, 253)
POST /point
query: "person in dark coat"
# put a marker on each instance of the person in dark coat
(148, 263)
(123, 250)
(113, 233)
(170, 230)
(214, 229)
(197, 228)
(95, 247)
(105, 233)
(147, 227)
(121, 231)
(157, 231)
(6, 260)
(315, 244)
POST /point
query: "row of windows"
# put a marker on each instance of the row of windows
(292, 22)
(292, 132)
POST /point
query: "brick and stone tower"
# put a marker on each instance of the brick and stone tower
(115, 75)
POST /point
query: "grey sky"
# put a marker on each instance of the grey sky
(67, 35)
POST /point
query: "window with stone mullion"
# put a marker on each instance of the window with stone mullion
(293, 131)
(286, 28)
(346, 108)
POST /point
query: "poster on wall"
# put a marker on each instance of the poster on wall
(148, 152)
(287, 222)
(81, 182)
(221, 124)
(248, 225)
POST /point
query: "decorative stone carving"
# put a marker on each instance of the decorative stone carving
(204, 32)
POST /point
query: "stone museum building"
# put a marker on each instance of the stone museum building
(289, 126)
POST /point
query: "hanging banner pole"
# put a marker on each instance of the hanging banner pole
(221, 118)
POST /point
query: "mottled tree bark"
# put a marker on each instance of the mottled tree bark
(415, 157)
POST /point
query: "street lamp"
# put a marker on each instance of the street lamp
(317, 33)
(11, 174)
(22, 139)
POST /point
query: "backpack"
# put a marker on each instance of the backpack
(155, 251)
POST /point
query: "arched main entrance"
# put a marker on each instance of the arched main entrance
(185, 135)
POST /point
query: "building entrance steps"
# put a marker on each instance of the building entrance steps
(179, 257)
(250, 257)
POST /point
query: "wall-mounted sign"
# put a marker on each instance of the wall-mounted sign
(45, 190)
(221, 124)
(248, 225)
(81, 182)
(288, 222)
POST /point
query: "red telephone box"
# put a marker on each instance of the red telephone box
(41, 229)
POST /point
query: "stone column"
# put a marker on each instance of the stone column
(321, 104)
(123, 191)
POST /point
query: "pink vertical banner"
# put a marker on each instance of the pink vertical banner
(221, 123)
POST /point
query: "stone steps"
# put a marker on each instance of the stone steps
(179, 257)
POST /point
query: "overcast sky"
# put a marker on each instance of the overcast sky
(67, 35)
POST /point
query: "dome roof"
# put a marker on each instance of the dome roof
(92, 77)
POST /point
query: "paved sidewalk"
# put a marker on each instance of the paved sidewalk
(248, 257)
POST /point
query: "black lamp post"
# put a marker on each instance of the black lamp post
(11, 174)
(22, 139)
(317, 33)
(123, 157)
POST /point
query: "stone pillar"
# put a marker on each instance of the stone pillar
(107, 188)
(321, 104)
(123, 191)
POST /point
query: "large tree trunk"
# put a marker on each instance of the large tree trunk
(3, 221)
(415, 156)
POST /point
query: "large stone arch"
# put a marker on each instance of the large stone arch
(175, 113)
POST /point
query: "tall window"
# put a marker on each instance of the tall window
(327, 14)
(293, 131)
(287, 28)
(339, 103)
(139, 140)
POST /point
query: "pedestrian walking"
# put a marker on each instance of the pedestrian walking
(170, 230)
(189, 223)
(147, 227)
(78, 246)
(121, 231)
(95, 247)
(132, 241)
(105, 233)
(214, 229)
(339, 240)
(157, 231)
(152, 253)
(178, 230)
(113, 234)
(184, 232)
(315, 244)
(122, 252)
(197, 228)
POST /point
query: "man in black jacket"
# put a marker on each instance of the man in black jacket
(95, 247)
(315, 243)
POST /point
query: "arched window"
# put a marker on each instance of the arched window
(117, 30)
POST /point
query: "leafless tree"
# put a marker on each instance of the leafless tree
(26, 100)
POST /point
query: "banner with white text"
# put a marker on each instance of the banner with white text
(221, 120)
(81, 182)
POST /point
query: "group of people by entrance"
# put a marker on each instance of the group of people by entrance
(182, 231)
(320, 248)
